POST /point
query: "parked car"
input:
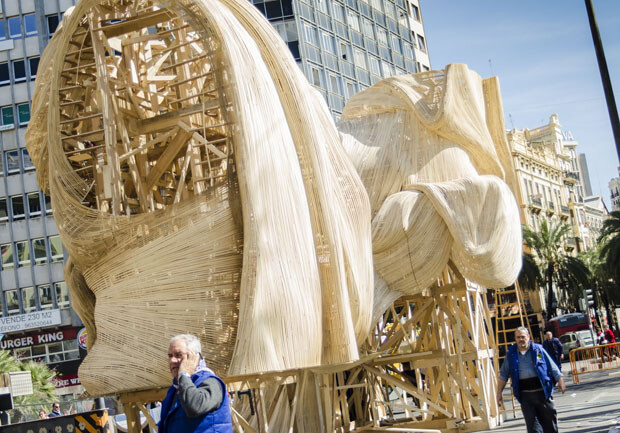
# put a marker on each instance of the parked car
(574, 340)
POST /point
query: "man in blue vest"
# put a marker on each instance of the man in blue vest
(197, 401)
(533, 375)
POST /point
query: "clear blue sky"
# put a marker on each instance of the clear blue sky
(543, 54)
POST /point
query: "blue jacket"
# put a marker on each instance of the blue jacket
(174, 420)
(543, 368)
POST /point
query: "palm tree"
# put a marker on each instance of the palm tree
(568, 273)
(41, 383)
(610, 238)
(600, 281)
(529, 277)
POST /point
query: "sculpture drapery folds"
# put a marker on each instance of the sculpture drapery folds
(200, 185)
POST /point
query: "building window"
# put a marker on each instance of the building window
(2, 37)
(34, 204)
(329, 44)
(408, 49)
(310, 33)
(421, 43)
(52, 24)
(374, 65)
(26, 161)
(388, 69)
(15, 29)
(49, 353)
(40, 252)
(5, 78)
(368, 28)
(396, 44)
(17, 206)
(382, 36)
(317, 76)
(339, 12)
(7, 119)
(62, 294)
(56, 248)
(12, 161)
(28, 299)
(360, 58)
(45, 297)
(351, 89)
(322, 6)
(335, 84)
(345, 52)
(30, 24)
(33, 65)
(23, 254)
(23, 114)
(48, 204)
(353, 19)
(4, 210)
(415, 12)
(7, 256)
(12, 302)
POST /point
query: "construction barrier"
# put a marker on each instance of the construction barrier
(86, 422)
(594, 358)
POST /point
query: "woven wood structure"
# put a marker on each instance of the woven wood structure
(200, 185)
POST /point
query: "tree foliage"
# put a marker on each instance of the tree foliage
(569, 274)
(610, 240)
(41, 383)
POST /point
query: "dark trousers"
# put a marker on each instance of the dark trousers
(539, 413)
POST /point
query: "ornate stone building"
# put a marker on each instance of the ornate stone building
(551, 186)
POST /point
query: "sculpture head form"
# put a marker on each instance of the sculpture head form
(198, 186)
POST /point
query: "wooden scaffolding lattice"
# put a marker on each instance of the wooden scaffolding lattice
(508, 301)
(508, 305)
(427, 366)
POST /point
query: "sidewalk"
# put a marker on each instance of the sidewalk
(593, 406)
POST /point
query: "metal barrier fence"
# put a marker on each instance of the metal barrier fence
(594, 358)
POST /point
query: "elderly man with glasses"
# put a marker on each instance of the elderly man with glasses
(197, 401)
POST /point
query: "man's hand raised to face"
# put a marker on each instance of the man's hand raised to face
(189, 363)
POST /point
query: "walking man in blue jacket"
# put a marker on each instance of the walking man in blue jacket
(197, 401)
(533, 375)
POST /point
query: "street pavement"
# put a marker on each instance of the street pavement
(592, 406)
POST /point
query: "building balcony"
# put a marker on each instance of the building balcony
(535, 203)
(570, 244)
(564, 212)
(571, 177)
(550, 208)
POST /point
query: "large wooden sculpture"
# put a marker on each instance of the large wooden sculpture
(200, 185)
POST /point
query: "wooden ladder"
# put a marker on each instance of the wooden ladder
(508, 306)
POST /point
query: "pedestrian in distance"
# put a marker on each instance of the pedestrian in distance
(55, 411)
(533, 375)
(609, 335)
(42, 414)
(197, 401)
(554, 348)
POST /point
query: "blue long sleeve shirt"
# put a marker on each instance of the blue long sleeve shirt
(527, 367)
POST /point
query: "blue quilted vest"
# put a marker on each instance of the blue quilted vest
(174, 420)
(543, 369)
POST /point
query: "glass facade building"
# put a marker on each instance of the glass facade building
(36, 319)
(344, 46)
